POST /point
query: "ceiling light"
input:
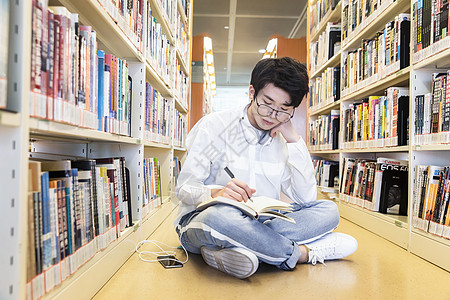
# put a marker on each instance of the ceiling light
(262, 51)
(226, 27)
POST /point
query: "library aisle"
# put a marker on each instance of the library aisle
(377, 270)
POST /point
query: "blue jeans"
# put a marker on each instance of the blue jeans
(273, 241)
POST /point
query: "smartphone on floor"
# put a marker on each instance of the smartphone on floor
(169, 262)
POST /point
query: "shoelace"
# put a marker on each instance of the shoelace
(318, 255)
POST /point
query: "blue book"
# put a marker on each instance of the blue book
(100, 97)
(46, 232)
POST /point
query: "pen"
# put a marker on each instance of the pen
(232, 176)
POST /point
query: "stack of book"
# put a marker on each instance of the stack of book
(76, 208)
(180, 129)
(182, 37)
(158, 49)
(324, 132)
(432, 123)
(376, 185)
(384, 54)
(176, 167)
(325, 89)
(431, 23)
(431, 192)
(356, 14)
(327, 45)
(181, 86)
(377, 121)
(158, 114)
(327, 172)
(72, 81)
(151, 197)
(4, 36)
(319, 9)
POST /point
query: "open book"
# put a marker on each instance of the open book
(254, 207)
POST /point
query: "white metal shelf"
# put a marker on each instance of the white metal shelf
(332, 62)
(156, 81)
(151, 144)
(431, 248)
(184, 66)
(337, 151)
(331, 16)
(47, 128)
(377, 150)
(390, 227)
(436, 147)
(182, 149)
(400, 77)
(9, 118)
(317, 110)
(181, 107)
(434, 56)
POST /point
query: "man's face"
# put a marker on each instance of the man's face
(269, 108)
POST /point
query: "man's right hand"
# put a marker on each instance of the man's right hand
(235, 189)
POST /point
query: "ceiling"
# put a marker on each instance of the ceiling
(251, 24)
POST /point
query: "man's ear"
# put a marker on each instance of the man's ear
(251, 92)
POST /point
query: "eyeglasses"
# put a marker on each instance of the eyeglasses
(265, 110)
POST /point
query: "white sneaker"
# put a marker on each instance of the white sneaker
(333, 245)
(237, 262)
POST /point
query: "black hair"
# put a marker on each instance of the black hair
(285, 73)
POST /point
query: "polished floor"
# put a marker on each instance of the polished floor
(377, 270)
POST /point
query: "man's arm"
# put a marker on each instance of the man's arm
(299, 182)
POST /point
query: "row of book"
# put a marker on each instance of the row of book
(327, 173)
(326, 88)
(158, 115)
(181, 86)
(4, 36)
(129, 16)
(376, 185)
(318, 10)
(72, 81)
(431, 193)
(176, 167)
(432, 112)
(324, 132)
(377, 121)
(182, 37)
(355, 12)
(159, 51)
(180, 129)
(388, 51)
(431, 22)
(327, 45)
(75, 208)
(151, 196)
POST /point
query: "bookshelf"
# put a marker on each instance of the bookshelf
(25, 138)
(420, 150)
(203, 84)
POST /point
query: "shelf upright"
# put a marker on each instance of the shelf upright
(14, 148)
(25, 137)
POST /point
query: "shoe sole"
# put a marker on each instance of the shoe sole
(237, 262)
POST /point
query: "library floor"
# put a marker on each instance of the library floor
(377, 270)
